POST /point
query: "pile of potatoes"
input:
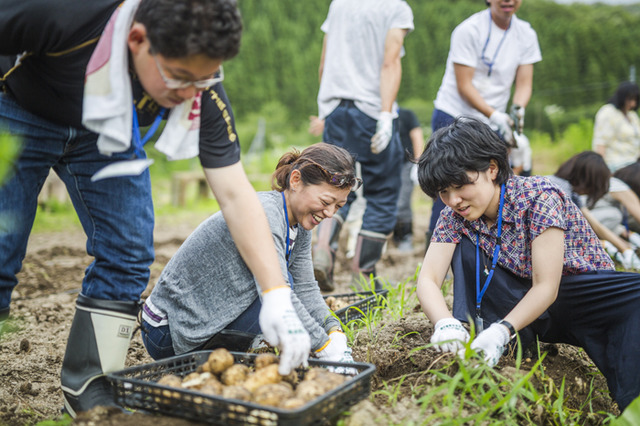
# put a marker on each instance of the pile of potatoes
(335, 304)
(261, 384)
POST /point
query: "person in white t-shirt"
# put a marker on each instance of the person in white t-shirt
(490, 52)
(360, 73)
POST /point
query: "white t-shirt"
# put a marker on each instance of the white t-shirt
(519, 46)
(355, 32)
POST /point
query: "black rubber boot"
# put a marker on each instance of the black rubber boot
(324, 251)
(97, 344)
(4, 314)
(403, 236)
(368, 252)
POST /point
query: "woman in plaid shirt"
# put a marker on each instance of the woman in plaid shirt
(524, 260)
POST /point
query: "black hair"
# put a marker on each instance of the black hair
(466, 145)
(625, 91)
(631, 176)
(331, 158)
(588, 174)
(182, 28)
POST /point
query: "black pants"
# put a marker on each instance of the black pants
(598, 311)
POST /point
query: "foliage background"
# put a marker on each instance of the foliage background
(587, 51)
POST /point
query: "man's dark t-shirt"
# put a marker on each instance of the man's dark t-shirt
(45, 47)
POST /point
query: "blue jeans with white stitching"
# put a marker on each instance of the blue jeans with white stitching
(116, 214)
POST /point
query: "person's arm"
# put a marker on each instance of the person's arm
(391, 72)
(603, 232)
(464, 81)
(629, 200)
(417, 141)
(247, 223)
(523, 85)
(547, 257)
(432, 274)
(322, 56)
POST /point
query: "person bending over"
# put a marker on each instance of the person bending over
(207, 297)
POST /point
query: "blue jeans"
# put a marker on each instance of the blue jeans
(158, 340)
(116, 214)
(351, 129)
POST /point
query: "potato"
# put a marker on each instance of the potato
(219, 360)
(272, 394)
(195, 380)
(315, 372)
(330, 301)
(235, 375)
(169, 380)
(308, 390)
(236, 392)
(265, 359)
(291, 378)
(264, 376)
(292, 403)
(213, 388)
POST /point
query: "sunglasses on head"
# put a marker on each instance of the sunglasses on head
(341, 180)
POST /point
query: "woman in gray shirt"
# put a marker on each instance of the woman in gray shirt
(206, 296)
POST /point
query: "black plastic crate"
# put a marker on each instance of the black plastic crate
(362, 301)
(136, 388)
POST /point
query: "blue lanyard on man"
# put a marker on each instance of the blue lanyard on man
(486, 43)
(494, 261)
(139, 142)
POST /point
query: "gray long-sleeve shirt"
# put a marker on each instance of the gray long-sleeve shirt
(206, 284)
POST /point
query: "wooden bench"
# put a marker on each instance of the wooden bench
(180, 182)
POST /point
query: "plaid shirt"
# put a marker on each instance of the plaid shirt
(531, 205)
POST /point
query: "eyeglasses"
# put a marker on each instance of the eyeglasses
(173, 83)
(341, 180)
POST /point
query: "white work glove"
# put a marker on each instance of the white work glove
(502, 123)
(634, 240)
(413, 174)
(282, 328)
(491, 342)
(384, 129)
(612, 251)
(629, 259)
(339, 351)
(517, 115)
(449, 335)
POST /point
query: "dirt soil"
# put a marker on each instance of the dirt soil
(31, 351)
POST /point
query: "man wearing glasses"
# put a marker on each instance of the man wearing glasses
(490, 51)
(79, 79)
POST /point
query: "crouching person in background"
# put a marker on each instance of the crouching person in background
(524, 261)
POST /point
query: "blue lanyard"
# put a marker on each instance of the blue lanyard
(137, 140)
(496, 250)
(286, 218)
(486, 43)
